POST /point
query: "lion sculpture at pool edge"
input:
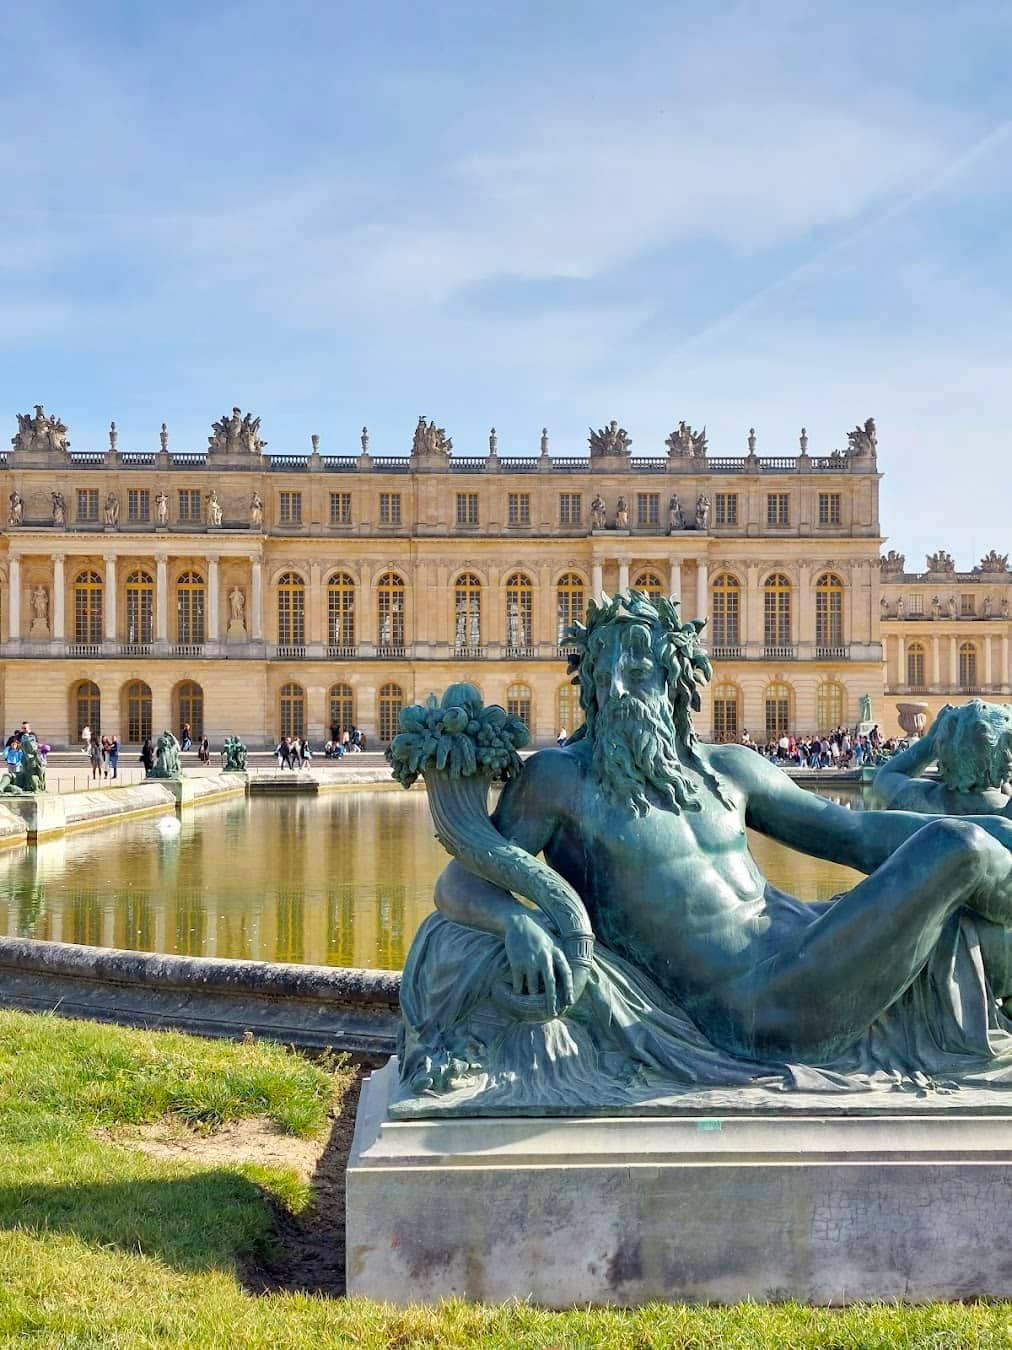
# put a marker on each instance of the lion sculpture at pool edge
(656, 959)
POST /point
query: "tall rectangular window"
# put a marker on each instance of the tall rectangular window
(829, 508)
(778, 508)
(87, 503)
(725, 508)
(189, 504)
(467, 508)
(290, 508)
(648, 508)
(340, 508)
(570, 508)
(519, 508)
(390, 508)
(967, 605)
(138, 505)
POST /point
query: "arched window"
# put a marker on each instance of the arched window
(518, 703)
(570, 712)
(726, 709)
(829, 611)
(190, 609)
(342, 708)
(650, 584)
(570, 595)
(967, 666)
(915, 666)
(140, 599)
(777, 611)
(390, 613)
(467, 614)
(391, 701)
(292, 703)
(519, 612)
(88, 607)
(291, 610)
(341, 610)
(830, 705)
(190, 699)
(137, 705)
(86, 708)
(725, 613)
(778, 709)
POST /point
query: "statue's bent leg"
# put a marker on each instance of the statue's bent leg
(820, 992)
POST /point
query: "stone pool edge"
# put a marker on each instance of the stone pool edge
(312, 1007)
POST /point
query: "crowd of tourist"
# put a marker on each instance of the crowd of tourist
(13, 752)
(837, 749)
(102, 752)
(344, 741)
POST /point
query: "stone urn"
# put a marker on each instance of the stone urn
(913, 718)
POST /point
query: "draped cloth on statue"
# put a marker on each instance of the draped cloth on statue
(625, 1046)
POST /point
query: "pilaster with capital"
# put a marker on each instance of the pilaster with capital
(110, 596)
(162, 601)
(257, 600)
(702, 588)
(59, 606)
(14, 597)
(212, 598)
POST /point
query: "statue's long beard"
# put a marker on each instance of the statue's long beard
(636, 756)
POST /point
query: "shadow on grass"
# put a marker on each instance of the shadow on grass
(212, 1220)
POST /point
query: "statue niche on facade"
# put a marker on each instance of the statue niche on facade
(652, 958)
(59, 509)
(111, 511)
(702, 512)
(214, 511)
(598, 512)
(236, 614)
(621, 514)
(40, 612)
(609, 441)
(676, 517)
(256, 512)
(161, 508)
(684, 443)
(236, 435)
(16, 515)
(40, 432)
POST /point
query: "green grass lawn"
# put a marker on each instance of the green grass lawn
(102, 1245)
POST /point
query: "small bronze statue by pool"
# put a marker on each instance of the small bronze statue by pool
(972, 747)
(647, 957)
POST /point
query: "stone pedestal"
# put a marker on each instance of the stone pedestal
(43, 814)
(908, 1203)
(181, 788)
(236, 631)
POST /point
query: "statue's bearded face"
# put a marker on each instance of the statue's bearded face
(636, 758)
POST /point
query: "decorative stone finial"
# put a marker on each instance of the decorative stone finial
(113, 436)
(751, 440)
(163, 436)
(365, 440)
(493, 442)
(544, 440)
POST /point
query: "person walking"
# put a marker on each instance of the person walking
(284, 754)
(114, 755)
(95, 757)
(185, 737)
(204, 751)
(148, 755)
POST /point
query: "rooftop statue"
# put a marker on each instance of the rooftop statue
(893, 563)
(940, 561)
(609, 440)
(654, 959)
(430, 439)
(972, 747)
(863, 440)
(684, 442)
(40, 432)
(993, 562)
(236, 435)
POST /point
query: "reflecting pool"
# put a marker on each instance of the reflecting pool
(340, 880)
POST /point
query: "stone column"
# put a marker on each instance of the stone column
(257, 602)
(1003, 657)
(597, 579)
(314, 600)
(702, 583)
(901, 653)
(161, 599)
(14, 597)
(675, 578)
(754, 602)
(623, 574)
(110, 597)
(988, 666)
(936, 662)
(59, 599)
(212, 598)
(953, 664)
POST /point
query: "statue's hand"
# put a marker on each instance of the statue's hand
(537, 964)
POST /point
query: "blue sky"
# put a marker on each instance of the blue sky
(521, 214)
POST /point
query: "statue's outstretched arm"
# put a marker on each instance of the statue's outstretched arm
(893, 778)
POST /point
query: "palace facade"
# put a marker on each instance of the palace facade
(264, 594)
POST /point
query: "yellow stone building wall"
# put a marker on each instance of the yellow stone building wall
(802, 518)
